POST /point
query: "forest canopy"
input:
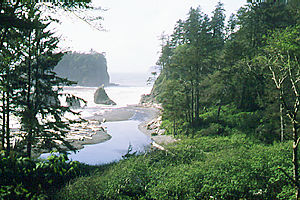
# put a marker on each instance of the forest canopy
(229, 93)
(239, 77)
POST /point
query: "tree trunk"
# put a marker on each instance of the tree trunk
(29, 126)
(187, 99)
(292, 113)
(197, 107)
(295, 159)
(3, 95)
(29, 144)
(7, 112)
(281, 123)
(174, 127)
(192, 104)
(219, 111)
(3, 120)
(7, 124)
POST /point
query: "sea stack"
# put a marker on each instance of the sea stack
(87, 69)
(100, 97)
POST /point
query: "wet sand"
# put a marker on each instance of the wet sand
(100, 136)
(131, 112)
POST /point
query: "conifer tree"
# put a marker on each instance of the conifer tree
(30, 88)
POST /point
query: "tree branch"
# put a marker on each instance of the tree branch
(297, 143)
(288, 176)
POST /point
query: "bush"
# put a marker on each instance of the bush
(232, 167)
(24, 178)
(212, 129)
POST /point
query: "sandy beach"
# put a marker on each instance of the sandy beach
(100, 136)
(131, 112)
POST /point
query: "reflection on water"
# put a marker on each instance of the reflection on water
(124, 133)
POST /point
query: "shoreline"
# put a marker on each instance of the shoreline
(130, 112)
(138, 112)
(99, 137)
(141, 113)
(159, 140)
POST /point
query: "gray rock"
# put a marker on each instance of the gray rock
(52, 100)
(74, 103)
(100, 97)
(87, 69)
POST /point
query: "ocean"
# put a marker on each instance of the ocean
(128, 92)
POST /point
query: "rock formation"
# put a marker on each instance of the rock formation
(85, 69)
(74, 103)
(100, 97)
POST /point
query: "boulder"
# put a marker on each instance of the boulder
(100, 97)
(51, 100)
(74, 103)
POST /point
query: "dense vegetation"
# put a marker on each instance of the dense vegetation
(29, 93)
(218, 70)
(86, 69)
(219, 80)
(24, 178)
(230, 93)
(229, 167)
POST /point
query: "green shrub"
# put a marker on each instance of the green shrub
(168, 126)
(24, 178)
(212, 129)
(231, 167)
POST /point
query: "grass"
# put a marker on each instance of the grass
(231, 167)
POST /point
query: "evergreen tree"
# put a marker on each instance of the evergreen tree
(42, 116)
(215, 72)
(30, 88)
(218, 25)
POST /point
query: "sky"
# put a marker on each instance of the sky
(133, 28)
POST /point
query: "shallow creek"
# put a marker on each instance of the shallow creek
(124, 134)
